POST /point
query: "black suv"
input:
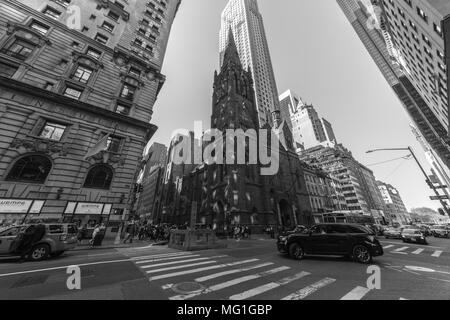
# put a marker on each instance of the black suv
(349, 240)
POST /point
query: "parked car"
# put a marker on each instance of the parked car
(393, 233)
(441, 232)
(413, 235)
(57, 239)
(349, 240)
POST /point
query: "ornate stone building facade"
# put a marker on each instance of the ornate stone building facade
(78, 81)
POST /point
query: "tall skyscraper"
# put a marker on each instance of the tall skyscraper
(371, 21)
(246, 22)
(78, 81)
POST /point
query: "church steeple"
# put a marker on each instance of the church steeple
(231, 52)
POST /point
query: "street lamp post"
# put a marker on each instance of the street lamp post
(427, 178)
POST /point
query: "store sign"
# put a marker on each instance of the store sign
(89, 208)
(15, 206)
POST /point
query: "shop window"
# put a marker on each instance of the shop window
(30, 169)
(99, 177)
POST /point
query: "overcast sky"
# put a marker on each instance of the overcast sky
(316, 53)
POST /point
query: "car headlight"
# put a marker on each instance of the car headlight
(283, 239)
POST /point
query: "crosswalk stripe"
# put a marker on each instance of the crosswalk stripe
(418, 251)
(176, 274)
(356, 294)
(230, 283)
(437, 254)
(401, 249)
(167, 259)
(303, 293)
(181, 267)
(224, 273)
(269, 286)
(389, 246)
(172, 263)
(155, 256)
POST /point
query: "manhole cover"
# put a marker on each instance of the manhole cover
(188, 287)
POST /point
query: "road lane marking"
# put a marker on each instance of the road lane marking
(439, 279)
(64, 267)
(172, 263)
(167, 259)
(224, 273)
(389, 246)
(412, 244)
(176, 274)
(230, 283)
(418, 251)
(401, 249)
(356, 294)
(269, 286)
(305, 292)
(437, 254)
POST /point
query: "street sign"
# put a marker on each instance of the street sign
(439, 198)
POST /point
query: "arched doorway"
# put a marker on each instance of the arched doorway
(286, 214)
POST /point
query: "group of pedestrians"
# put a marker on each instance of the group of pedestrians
(241, 232)
(98, 234)
(147, 231)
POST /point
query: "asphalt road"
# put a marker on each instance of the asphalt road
(246, 270)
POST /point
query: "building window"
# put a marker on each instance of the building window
(128, 91)
(19, 49)
(134, 72)
(93, 53)
(7, 70)
(101, 38)
(113, 16)
(114, 144)
(82, 74)
(99, 177)
(108, 26)
(72, 93)
(52, 13)
(53, 131)
(30, 169)
(123, 109)
(39, 27)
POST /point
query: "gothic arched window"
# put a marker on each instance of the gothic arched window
(99, 177)
(33, 168)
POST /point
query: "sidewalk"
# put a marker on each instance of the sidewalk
(110, 244)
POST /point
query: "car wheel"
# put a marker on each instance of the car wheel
(40, 252)
(362, 254)
(296, 251)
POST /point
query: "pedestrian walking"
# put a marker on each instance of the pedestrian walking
(130, 232)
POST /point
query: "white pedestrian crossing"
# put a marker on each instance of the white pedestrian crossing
(230, 283)
(401, 249)
(269, 286)
(356, 294)
(225, 273)
(307, 291)
(244, 279)
(437, 254)
(197, 270)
